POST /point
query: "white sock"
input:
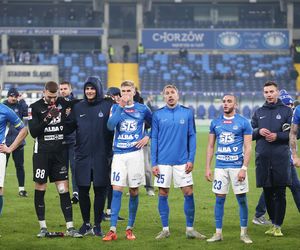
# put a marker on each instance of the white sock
(21, 189)
(114, 229)
(69, 224)
(42, 224)
(108, 211)
(189, 228)
(165, 228)
(219, 230)
(243, 230)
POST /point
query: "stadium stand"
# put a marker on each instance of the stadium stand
(215, 73)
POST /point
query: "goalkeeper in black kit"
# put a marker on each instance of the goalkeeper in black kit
(46, 124)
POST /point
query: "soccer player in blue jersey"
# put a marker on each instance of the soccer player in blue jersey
(128, 119)
(173, 148)
(8, 116)
(233, 135)
(293, 136)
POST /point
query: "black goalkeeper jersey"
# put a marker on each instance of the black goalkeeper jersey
(48, 133)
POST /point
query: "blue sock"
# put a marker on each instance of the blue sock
(219, 211)
(1, 203)
(189, 209)
(242, 200)
(115, 207)
(133, 206)
(163, 208)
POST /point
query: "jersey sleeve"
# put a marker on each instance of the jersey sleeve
(296, 116)
(154, 139)
(192, 137)
(13, 119)
(36, 124)
(248, 130)
(212, 127)
(115, 116)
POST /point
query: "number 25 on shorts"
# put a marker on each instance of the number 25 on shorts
(160, 178)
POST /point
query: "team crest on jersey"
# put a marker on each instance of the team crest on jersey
(181, 121)
(235, 127)
(100, 114)
(278, 117)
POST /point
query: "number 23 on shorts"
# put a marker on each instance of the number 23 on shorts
(217, 184)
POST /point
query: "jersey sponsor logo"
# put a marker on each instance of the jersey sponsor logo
(262, 117)
(52, 129)
(125, 144)
(56, 120)
(227, 122)
(224, 150)
(227, 157)
(44, 111)
(53, 137)
(125, 137)
(81, 115)
(226, 138)
(128, 126)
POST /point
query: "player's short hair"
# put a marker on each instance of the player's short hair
(127, 83)
(271, 83)
(171, 86)
(51, 86)
(66, 83)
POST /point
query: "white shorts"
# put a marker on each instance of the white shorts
(128, 169)
(222, 180)
(2, 168)
(180, 177)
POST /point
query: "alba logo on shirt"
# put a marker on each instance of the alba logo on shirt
(128, 126)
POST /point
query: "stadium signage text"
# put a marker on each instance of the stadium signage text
(41, 31)
(218, 39)
(29, 73)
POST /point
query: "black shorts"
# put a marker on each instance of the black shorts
(49, 164)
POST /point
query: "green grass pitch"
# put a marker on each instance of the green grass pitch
(19, 225)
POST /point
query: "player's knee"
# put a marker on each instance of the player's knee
(61, 188)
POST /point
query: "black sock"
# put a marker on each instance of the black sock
(100, 194)
(39, 203)
(66, 206)
(109, 196)
(84, 203)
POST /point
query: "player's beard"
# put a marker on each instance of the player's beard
(229, 111)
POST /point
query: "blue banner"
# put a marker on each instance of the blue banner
(46, 31)
(237, 39)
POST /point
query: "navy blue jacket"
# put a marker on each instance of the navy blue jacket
(70, 138)
(272, 161)
(93, 139)
(21, 109)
